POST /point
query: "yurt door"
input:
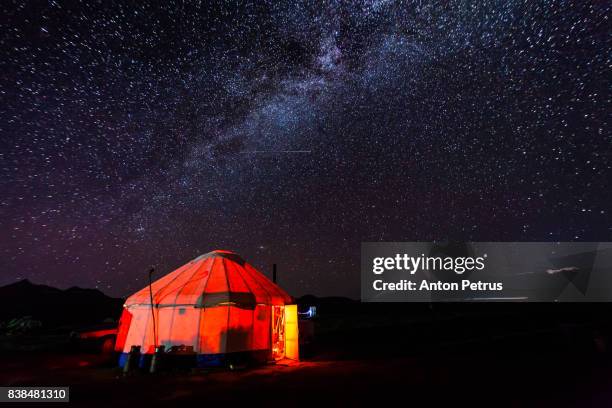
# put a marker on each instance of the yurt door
(291, 333)
(278, 332)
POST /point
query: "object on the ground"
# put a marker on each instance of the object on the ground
(20, 325)
(218, 305)
(156, 361)
(309, 313)
(100, 338)
(97, 333)
(133, 359)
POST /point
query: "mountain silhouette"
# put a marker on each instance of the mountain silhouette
(56, 307)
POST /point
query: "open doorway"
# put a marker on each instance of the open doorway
(278, 332)
(285, 336)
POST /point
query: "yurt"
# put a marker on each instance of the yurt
(215, 307)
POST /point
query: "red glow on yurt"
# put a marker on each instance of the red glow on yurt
(215, 305)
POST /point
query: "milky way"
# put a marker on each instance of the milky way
(137, 135)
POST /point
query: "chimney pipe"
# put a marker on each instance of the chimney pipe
(274, 273)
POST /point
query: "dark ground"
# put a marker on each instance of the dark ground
(476, 354)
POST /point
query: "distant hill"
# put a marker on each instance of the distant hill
(56, 307)
(330, 304)
(315, 300)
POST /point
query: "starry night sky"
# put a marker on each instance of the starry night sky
(134, 134)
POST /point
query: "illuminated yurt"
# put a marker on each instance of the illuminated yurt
(213, 307)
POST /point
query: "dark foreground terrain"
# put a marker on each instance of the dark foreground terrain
(482, 355)
(477, 380)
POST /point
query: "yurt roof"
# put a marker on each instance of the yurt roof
(215, 278)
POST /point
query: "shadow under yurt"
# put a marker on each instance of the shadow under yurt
(215, 310)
